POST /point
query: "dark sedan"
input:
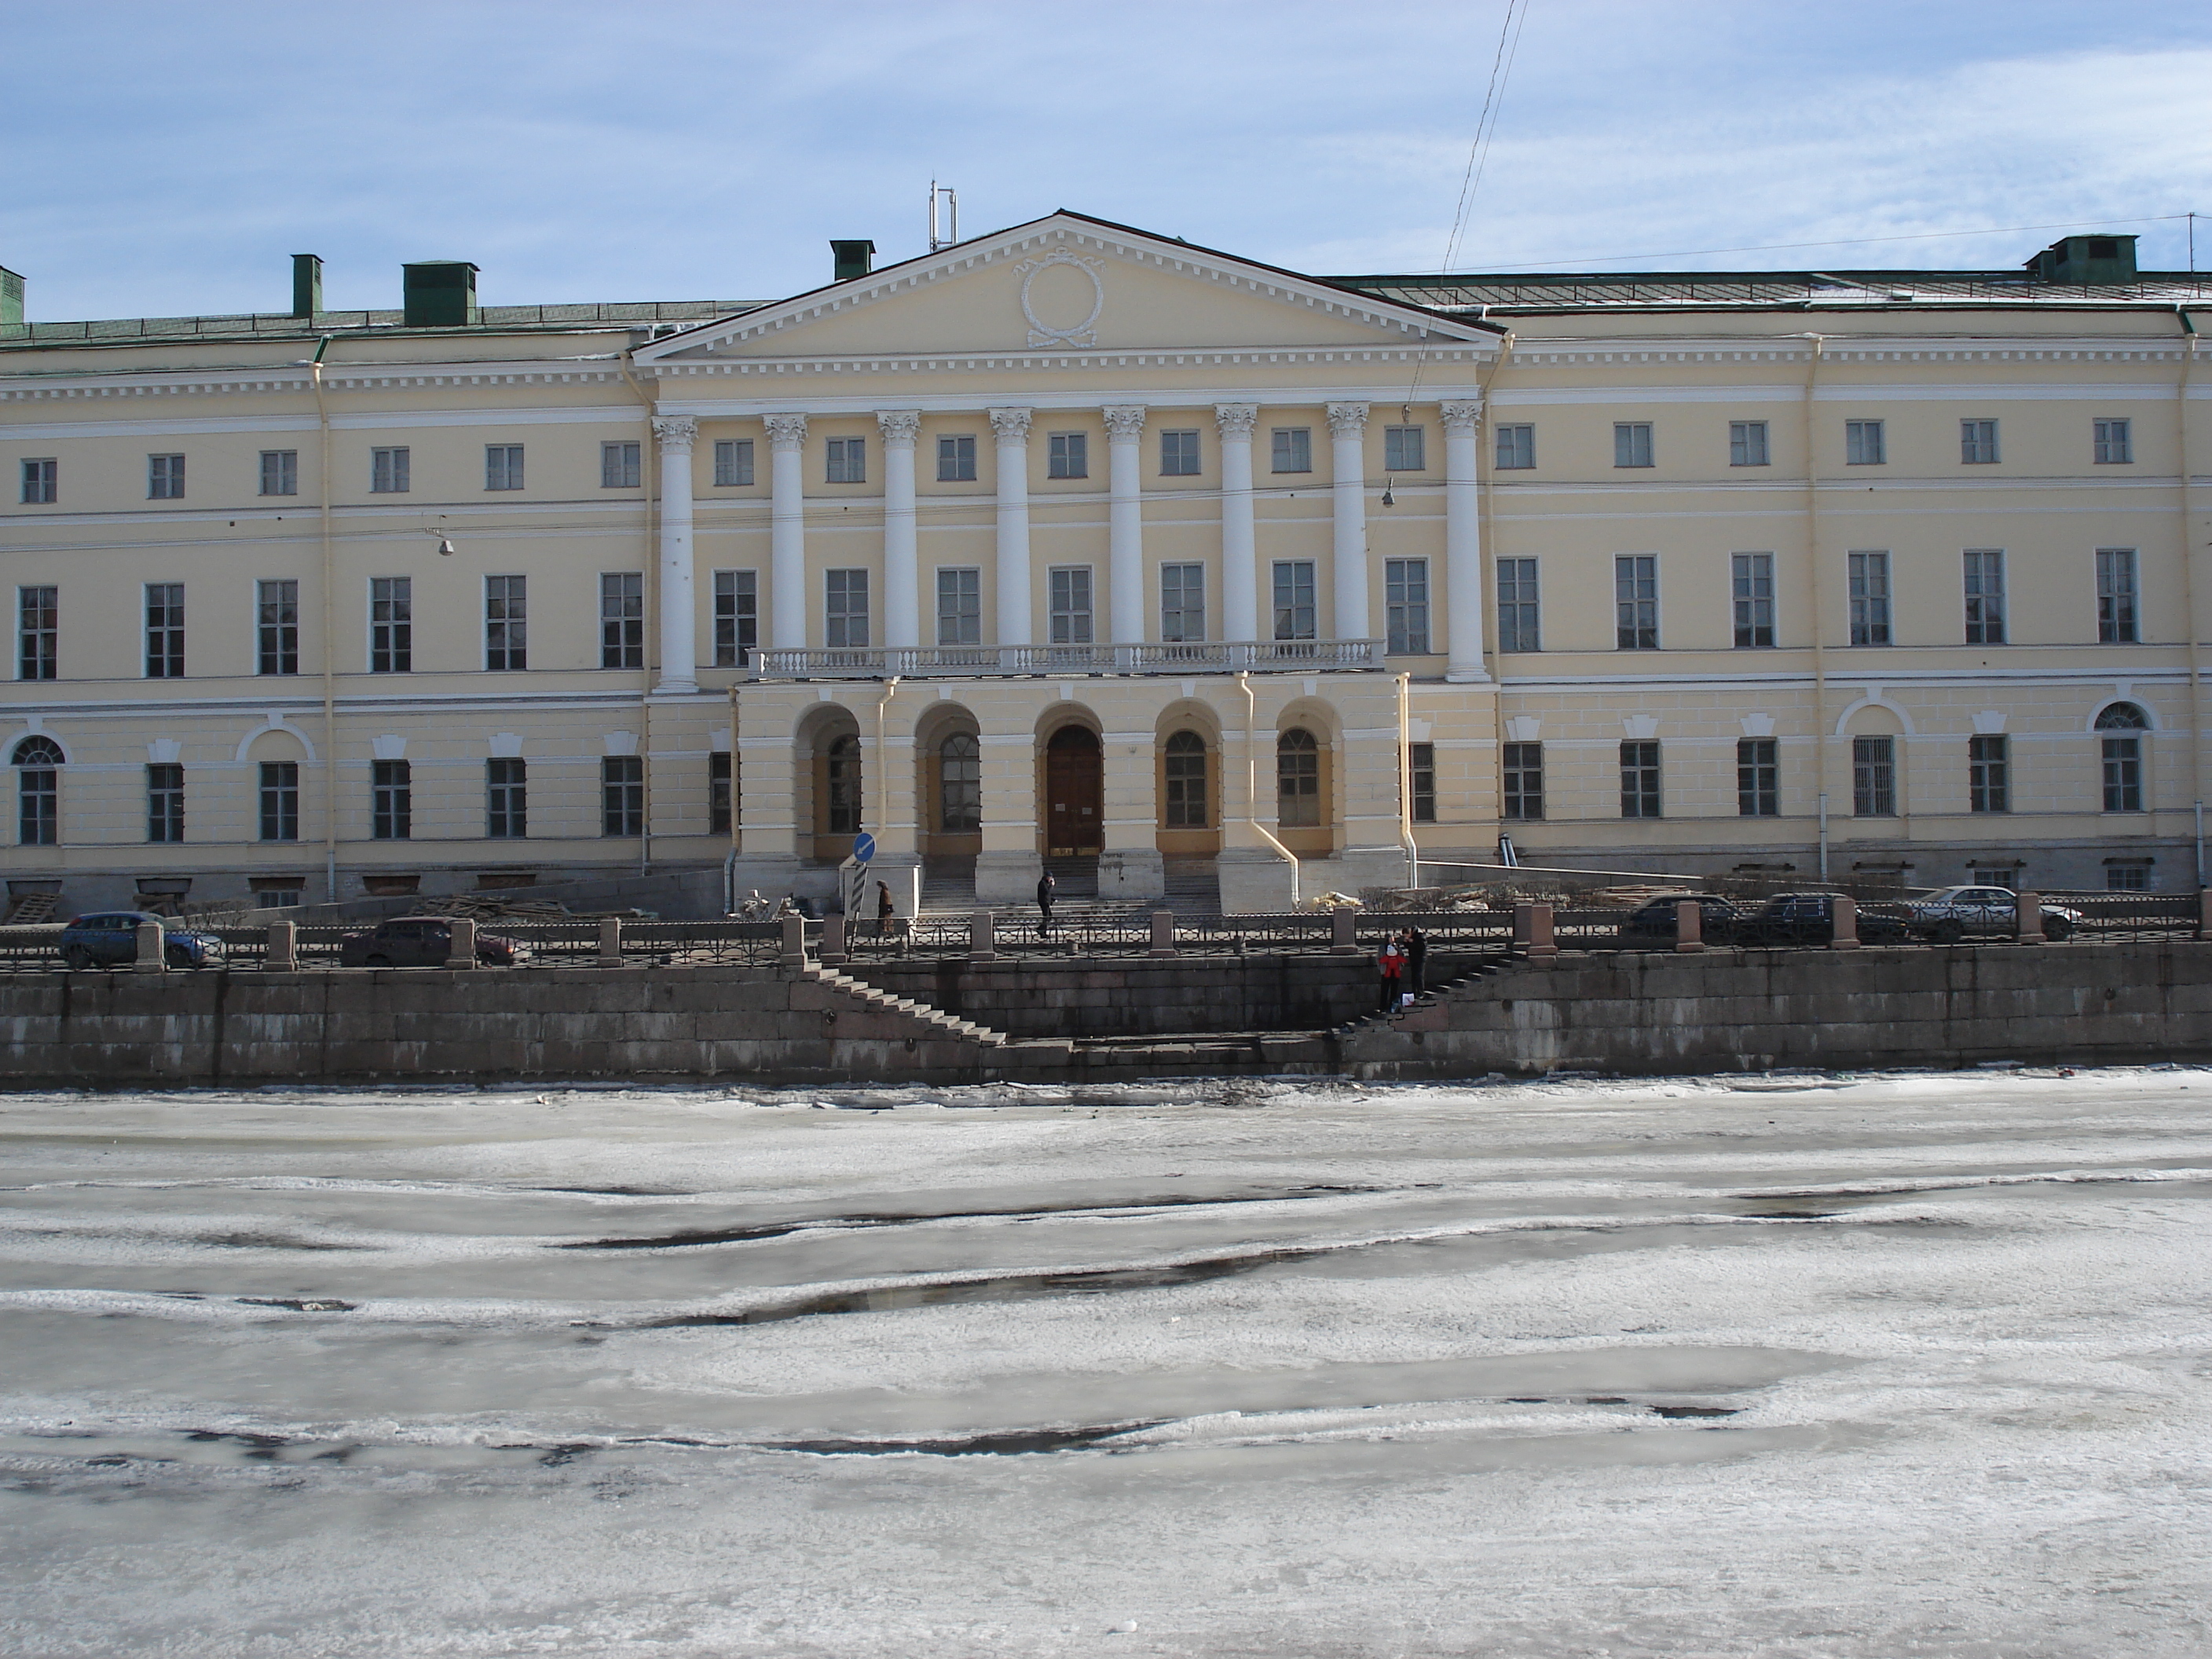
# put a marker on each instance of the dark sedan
(1654, 922)
(109, 938)
(1810, 919)
(419, 942)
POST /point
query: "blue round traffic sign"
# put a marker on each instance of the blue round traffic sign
(864, 846)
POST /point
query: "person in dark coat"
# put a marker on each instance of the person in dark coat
(1416, 960)
(1046, 888)
(885, 909)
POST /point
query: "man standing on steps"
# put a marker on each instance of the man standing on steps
(1417, 960)
(1046, 887)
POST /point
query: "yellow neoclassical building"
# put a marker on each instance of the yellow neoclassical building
(1076, 544)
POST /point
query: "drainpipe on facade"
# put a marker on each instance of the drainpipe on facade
(1814, 587)
(883, 762)
(649, 470)
(1824, 836)
(1490, 547)
(1252, 783)
(2189, 595)
(730, 861)
(329, 584)
(1406, 782)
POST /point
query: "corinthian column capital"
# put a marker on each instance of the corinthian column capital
(1011, 425)
(1462, 419)
(676, 432)
(901, 427)
(1347, 420)
(1235, 420)
(786, 431)
(1125, 422)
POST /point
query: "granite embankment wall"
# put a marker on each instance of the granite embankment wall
(1727, 1010)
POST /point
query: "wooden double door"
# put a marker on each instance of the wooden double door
(1074, 793)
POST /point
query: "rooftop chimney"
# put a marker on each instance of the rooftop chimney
(2085, 259)
(11, 299)
(853, 259)
(306, 284)
(440, 293)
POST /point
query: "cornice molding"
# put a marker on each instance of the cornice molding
(166, 383)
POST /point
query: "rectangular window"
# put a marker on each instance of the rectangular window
(1632, 443)
(38, 633)
(1873, 777)
(165, 630)
(1639, 779)
(1989, 773)
(1752, 583)
(1406, 596)
(391, 624)
(388, 472)
(956, 458)
(1747, 443)
(1985, 596)
(1864, 444)
(1421, 763)
(165, 478)
(1636, 601)
(1404, 449)
(1517, 606)
(165, 803)
(1067, 455)
(1182, 603)
(507, 799)
(1178, 454)
(1070, 605)
(506, 624)
(2115, 443)
(280, 471)
(280, 800)
(502, 466)
(621, 619)
(1524, 781)
(959, 607)
(621, 467)
(847, 461)
(719, 814)
(41, 482)
(1869, 586)
(1291, 449)
(1758, 778)
(277, 627)
(1978, 443)
(621, 795)
(736, 618)
(846, 614)
(1294, 599)
(2127, 878)
(391, 800)
(2124, 774)
(2116, 596)
(1516, 447)
(733, 463)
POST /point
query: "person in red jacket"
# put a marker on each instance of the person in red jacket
(1392, 964)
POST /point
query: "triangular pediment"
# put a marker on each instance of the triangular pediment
(1062, 283)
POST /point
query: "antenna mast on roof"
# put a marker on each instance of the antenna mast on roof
(949, 199)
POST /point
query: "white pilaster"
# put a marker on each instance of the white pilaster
(1012, 429)
(1125, 522)
(1240, 557)
(1347, 431)
(679, 666)
(1463, 589)
(787, 555)
(902, 567)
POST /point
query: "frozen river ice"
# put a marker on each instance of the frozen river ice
(1853, 1367)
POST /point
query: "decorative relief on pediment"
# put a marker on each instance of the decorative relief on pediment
(1054, 307)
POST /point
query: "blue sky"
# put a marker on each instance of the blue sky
(168, 158)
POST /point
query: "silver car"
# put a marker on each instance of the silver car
(1951, 914)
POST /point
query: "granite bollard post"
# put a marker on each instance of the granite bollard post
(1844, 935)
(610, 941)
(151, 958)
(1541, 944)
(1689, 925)
(1163, 939)
(1343, 937)
(794, 942)
(833, 937)
(283, 954)
(2027, 918)
(982, 936)
(463, 947)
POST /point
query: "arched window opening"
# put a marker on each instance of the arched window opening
(845, 786)
(1188, 798)
(960, 784)
(38, 792)
(1297, 779)
(2123, 755)
(2123, 717)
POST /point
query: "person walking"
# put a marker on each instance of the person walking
(1417, 960)
(884, 908)
(1046, 888)
(1392, 964)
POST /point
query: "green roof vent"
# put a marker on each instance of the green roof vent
(440, 293)
(11, 299)
(306, 284)
(853, 259)
(2085, 259)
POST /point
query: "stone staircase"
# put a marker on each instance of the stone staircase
(948, 885)
(1434, 994)
(1193, 887)
(861, 991)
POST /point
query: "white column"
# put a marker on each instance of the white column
(902, 567)
(1463, 589)
(1125, 522)
(1240, 557)
(679, 666)
(1347, 431)
(786, 545)
(1011, 427)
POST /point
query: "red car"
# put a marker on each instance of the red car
(420, 942)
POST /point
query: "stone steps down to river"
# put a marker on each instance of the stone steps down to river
(952, 1025)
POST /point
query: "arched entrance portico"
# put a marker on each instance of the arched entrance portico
(1073, 816)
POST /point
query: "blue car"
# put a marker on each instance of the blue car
(109, 938)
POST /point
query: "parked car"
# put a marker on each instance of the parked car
(420, 942)
(1950, 913)
(1654, 922)
(109, 938)
(1810, 919)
